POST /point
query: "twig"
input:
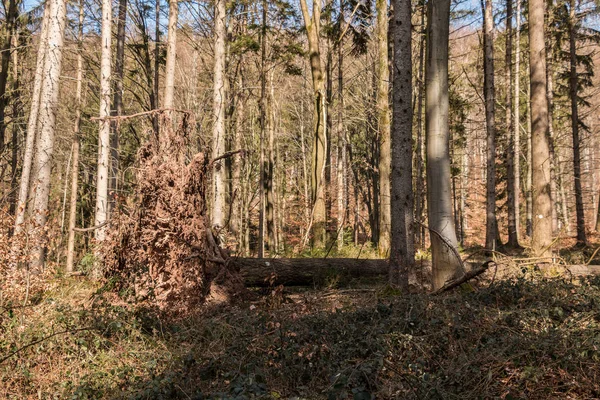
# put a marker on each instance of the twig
(92, 228)
(448, 244)
(140, 114)
(226, 155)
(41, 340)
(592, 257)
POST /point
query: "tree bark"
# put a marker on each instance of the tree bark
(383, 117)
(420, 145)
(305, 271)
(104, 124)
(17, 114)
(446, 264)
(542, 200)
(341, 145)
(75, 148)
(45, 125)
(491, 239)
(573, 94)
(219, 104)
(168, 100)
(312, 24)
(402, 254)
(516, 133)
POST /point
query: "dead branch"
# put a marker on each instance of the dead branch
(140, 114)
(448, 244)
(92, 228)
(463, 279)
(226, 155)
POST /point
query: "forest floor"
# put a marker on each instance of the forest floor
(526, 336)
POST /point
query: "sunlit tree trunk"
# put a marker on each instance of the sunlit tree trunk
(171, 57)
(542, 200)
(10, 30)
(219, 105)
(420, 145)
(312, 24)
(46, 124)
(30, 139)
(75, 148)
(446, 264)
(516, 133)
(104, 124)
(341, 143)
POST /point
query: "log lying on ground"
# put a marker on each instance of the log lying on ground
(305, 271)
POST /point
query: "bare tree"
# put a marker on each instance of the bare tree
(446, 263)
(542, 200)
(402, 254)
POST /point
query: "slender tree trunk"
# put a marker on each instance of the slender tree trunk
(529, 172)
(512, 159)
(383, 111)
(491, 239)
(263, 131)
(169, 95)
(10, 28)
(516, 133)
(312, 24)
(554, 176)
(542, 200)
(446, 264)
(104, 125)
(270, 176)
(219, 105)
(117, 109)
(17, 114)
(573, 94)
(45, 126)
(341, 145)
(420, 145)
(402, 255)
(156, 89)
(32, 122)
(75, 146)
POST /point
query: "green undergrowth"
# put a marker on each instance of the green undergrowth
(518, 339)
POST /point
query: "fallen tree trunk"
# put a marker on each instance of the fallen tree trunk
(305, 271)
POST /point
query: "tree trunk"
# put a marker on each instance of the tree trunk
(573, 94)
(305, 271)
(117, 109)
(75, 146)
(517, 124)
(542, 200)
(383, 117)
(446, 264)
(46, 124)
(104, 125)
(169, 95)
(491, 240)
(30, 140)
(402, 254)
(263, 131)
(156, 67)
(312, 24)
(420, 145)
(512, 158)
(341, 145)
(219, 104)
(17, 113)
(11, 17)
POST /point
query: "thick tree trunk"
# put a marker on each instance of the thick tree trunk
(312, 24)
(402, 254)
(573, 94)
(446, 264)
(75, 148)
(219, 209)
(46, 124)
(491, 239)
(383, 117)
(542, 200)
(104, 124)
(40, 74)
(420, 145)
(512, 157)
(516, 133)
(305, 271)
